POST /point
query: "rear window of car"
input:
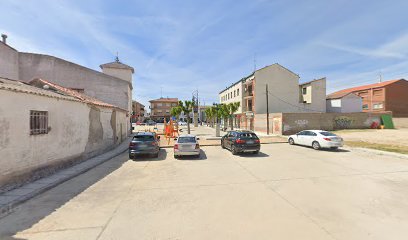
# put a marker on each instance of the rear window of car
(328, 134)
(143, 138)
(248, 135)
(187, 140)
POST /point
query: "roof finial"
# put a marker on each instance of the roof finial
(117, 57)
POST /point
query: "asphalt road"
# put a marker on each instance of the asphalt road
(286, 192)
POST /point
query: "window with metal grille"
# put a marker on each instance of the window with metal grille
(38, 122)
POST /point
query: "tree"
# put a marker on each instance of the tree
(187, 107)
(223, 112)
(175, 112)
(232, 108)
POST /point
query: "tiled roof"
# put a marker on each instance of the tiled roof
(40, 83)
(344, 92)
(338, 95)
(117, 64)
(18, 86)
(165, 100)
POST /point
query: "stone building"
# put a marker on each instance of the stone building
(113, 85)
(44, 127)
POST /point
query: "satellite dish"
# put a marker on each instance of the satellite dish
(46, 87)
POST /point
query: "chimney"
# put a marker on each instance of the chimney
(4, 37)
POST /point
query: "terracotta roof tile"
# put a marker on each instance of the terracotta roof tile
(344, 92)
(165, 100)
(72, 93)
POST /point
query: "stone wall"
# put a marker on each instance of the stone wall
(77, 131)
(8, 62)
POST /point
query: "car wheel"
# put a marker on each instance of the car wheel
(222, 144)
(316, 145)
(234, 150)
(130, 156)
(291, 141)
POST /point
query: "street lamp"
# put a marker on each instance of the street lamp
(217, 126)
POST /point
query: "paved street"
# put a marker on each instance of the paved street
(286, 192)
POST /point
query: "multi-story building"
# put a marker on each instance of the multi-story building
(160, 108)
(285, 94)
(138, 111)
(384, 96)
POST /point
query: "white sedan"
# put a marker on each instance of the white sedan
(182, 123)
(186, 145)
(316, 139)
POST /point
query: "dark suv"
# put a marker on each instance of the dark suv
(241, 141)
(144, 143)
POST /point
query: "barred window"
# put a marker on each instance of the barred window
(38, 122)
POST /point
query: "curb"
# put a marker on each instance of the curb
(379, 152)
(9, 207)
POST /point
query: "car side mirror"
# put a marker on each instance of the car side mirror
(198, 138)
(175, 139)
(158, 137)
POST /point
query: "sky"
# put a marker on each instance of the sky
(180, 46)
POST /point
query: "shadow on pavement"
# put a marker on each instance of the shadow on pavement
(146, 157)
(325, 149)
(26, 215)
(202, 156)
(252, 155)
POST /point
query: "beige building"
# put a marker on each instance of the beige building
(138, 111)
(113, 85)
(44, 126)
(285, 95)
(160, 108)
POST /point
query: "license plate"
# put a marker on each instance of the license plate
(250, 142)
(143, 145)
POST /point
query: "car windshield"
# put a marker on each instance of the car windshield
(248, 135)
(328, 134)
(187, 140)
(143, 138)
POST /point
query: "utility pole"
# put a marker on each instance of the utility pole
(267, 110)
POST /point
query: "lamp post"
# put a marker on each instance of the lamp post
(217, 126)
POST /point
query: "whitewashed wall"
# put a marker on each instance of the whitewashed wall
(78, 131)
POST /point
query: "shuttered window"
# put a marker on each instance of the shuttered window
(38, 122)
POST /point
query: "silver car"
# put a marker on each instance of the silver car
(186, 145)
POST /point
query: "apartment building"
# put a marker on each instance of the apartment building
(384, 96)
(160, 108)
(138, 111)
(285, 94)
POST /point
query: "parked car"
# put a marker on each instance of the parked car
(316, 139)
(144, 143)
(150, 123)
(182, 123)
(241, 141)
(186, 145)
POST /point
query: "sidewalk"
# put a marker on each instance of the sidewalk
(9, 200)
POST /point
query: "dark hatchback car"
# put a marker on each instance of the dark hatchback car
(241, 141)
(144, 143)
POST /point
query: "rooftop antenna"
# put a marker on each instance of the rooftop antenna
(380, 75)
(161, 92)
(117, 57)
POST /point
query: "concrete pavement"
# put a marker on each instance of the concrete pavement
(286, 192)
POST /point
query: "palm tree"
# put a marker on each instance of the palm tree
(187, 107)
(232, 108)
(223, 112)
(175, 112)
